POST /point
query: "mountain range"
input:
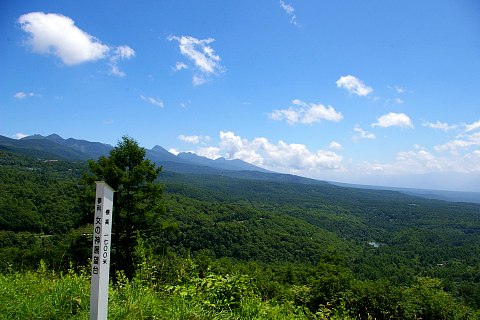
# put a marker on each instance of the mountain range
(55, 147)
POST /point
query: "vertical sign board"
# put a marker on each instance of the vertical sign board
(102, 229)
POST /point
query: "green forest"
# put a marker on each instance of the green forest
(203, 246)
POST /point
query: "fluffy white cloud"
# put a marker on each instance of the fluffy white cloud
(209, 152)
(193, 139)
(206, 62)
(153, 101)
(354, 85)
(394, 119)
(362, 134)
(290, 10)
(189, 139)
(22, 95)
(57, 35)
(280, 156)
(334, 145)
(237, 148)
(306, 113)
(440, 126)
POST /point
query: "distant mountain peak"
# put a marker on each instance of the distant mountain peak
(158, 148)
(189, 154)
(54, 137)
(33, 136)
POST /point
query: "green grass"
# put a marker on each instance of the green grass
(43, 294)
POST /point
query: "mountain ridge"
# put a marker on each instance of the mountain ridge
(54, 146)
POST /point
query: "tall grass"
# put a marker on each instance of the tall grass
(44, 294)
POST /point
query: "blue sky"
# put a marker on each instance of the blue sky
(373, 92)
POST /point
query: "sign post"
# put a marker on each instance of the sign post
(102, 231)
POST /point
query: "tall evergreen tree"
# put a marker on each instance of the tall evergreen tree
(137, 200)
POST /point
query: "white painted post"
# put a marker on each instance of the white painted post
(102, 230)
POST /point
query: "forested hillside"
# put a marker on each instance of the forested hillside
(319, 247)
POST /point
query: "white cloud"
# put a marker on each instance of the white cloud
(285, 157)
(421, 158)
(209, 152)
(362, 134)
(198, 80)
(463, 141)
(180, 66)
(20, 135)
(206, 62)
(173, 151)
(153, 101)
(306, 113)
(237, 148)
(334, 145)
(57, 35)
(470, 137)
(472, 126)
(440, 126)
(290, 10)
(463, 157)
(124, 52)
(394, 119)
(398, 89)
(394, 101)
(120, 53)
(193, 139)
(354, 85)
(454, 145)
(189, 139)
(423, 162)
(22, 95)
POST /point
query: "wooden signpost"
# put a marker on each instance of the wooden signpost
(102, 231)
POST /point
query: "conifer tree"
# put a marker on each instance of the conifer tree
(137, 199)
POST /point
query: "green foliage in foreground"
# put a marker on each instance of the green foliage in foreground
(44, 294)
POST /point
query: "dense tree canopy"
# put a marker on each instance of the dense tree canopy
(332, 250)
